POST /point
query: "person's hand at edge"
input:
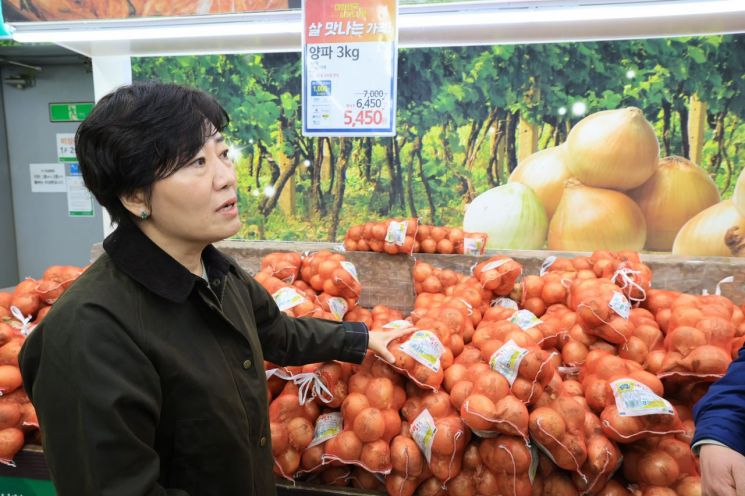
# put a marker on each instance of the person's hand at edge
(722, 471)
(378, 341)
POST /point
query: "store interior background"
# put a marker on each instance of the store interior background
(36, 231)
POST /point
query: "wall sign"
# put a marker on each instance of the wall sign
(47, 178)
(66, 147)
(350, 60)
(79, 199)
(69, 112)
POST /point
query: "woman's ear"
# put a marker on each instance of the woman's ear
(137, 204)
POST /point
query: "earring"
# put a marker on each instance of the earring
(144, 215)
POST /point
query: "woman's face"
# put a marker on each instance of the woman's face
(197, 204)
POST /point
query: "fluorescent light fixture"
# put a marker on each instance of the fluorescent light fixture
(93, 33)
(572, 12)
(420, 25)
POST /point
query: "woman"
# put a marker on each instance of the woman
(147, 375)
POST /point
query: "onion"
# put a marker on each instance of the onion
(590, 219)
(677, 191)
(511, 215)
(704, 234)
(615, 149)
(739, 195)
(545, 173)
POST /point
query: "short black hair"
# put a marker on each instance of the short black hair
(141, 133)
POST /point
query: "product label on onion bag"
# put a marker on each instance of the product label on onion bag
(504, 303)
(620, 304)
(425, 348)
(634, 399)
(349, 267)
(396, 233)
(506, 360)
(398, 324)
(287, 298)
(473, 246)
(338, 307)
(423, 431)
(547, 264)
(494, 265)
(525, 319)
(328, 425)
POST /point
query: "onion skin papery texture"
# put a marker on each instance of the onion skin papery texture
(704, 235)
(545, 172)
(676, 192)
(615, 149)
(511, 215)
(591, 219)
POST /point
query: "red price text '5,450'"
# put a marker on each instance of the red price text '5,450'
(363, 117)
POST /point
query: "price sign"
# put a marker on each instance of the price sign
(350, 59)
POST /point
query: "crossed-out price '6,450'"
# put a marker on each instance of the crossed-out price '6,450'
(363, 117)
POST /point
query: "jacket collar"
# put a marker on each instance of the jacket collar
(141, 259)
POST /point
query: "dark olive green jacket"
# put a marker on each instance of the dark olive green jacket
(149, 381)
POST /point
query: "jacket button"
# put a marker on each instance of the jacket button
(247, 364)
(262, 441)
(216, 282)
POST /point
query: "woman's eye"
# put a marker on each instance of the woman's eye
(225, 154)
(200, 162)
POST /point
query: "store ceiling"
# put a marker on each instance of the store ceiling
(39, 55)
(424, 24)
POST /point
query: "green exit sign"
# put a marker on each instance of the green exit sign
(69, 112)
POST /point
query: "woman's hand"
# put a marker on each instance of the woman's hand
(378, 341)
(722, 471)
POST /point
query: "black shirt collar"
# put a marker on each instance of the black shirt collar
(140, 258)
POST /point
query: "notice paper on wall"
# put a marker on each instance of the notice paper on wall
(66, 147)
(47, 178)
(79, 199)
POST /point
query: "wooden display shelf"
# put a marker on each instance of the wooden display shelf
(386, 280)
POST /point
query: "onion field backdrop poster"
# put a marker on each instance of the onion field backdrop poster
(570, 146)
(74, 10)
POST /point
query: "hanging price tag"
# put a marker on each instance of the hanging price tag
(425, 348)
(328, 425)
(504, 303)
(349, 267)
(396, 233)
(506, 360)
(620, 304)
(423, 431)
(287, 298)
(634, 399)
(350, 57)
(338, 307)
(525, 319)
(473, 246)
